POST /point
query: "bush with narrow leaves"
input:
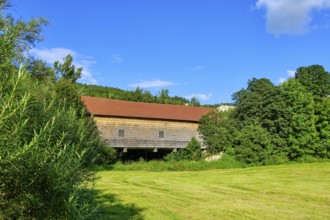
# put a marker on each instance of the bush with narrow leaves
(44, 154)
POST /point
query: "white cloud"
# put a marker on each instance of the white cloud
(151, 84)
(291, 73)
(200, 96)
(196, 68)
(290, 16)
(53, 54)
(282, 80)
(57, 54)
(116, 59)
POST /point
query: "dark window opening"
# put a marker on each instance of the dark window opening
(121, 133)
(161, 134)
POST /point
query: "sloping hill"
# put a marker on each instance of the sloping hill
(138, 95)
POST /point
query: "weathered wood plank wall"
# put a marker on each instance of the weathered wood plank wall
(144, 134)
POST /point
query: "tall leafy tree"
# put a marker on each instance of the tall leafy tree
(67, 70)
(45, 146)
(17, 36)
(140, 95)
(40, 70)
(253, 145)
(272, 124)
(322, 120)
(302, 134)
(262, 103)
(148, 97)
(194, 101)
(218, 131)
(250, 102)
(163, 96)
(315, 79)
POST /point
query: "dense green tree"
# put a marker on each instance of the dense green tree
(102, 91)
(218, 130)
(272, 124)
(263, 103)
(253, 145)
(260, 112)
(16, 37)
(46, 145)
(45, 149)
(148, 97)
(260, 86)
(322, 121)
(163, 96)
(251, 101)
(315, 79)
(193, 151)
(210, 127)
(195, 102)
(40, 70)
(68, 92)
(67, 70)
(138, 95)
(302, 134)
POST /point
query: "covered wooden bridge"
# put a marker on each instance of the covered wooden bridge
(136, 125)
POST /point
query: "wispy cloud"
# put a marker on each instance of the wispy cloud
(290, 16)
(196, 68)
(200, 96)
(57, 54)
(151, 84)
(53, 54)
(116, 59)
(291, 73)
(282, 80)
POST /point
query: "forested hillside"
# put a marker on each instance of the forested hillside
(138, 95)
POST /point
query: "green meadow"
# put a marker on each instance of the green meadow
(295, 191)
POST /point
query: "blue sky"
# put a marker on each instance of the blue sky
(206, 48)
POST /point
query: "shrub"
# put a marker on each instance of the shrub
(107, 155)
(217, 129)
(44, 154)
(275, 159)
(226, 161)
(253, 145)
(193, 151)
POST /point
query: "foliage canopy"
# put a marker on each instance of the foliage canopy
(272, 124)
(46, 143)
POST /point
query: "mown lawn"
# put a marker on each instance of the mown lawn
(297, 191)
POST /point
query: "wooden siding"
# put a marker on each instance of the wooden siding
(143, 133)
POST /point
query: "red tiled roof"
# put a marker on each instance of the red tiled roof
(117, 108)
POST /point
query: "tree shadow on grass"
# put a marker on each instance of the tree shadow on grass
(110, 207)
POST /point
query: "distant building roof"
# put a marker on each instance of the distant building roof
(118, 108)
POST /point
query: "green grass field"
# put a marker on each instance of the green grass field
(297, 191)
